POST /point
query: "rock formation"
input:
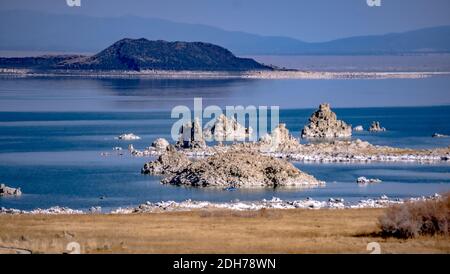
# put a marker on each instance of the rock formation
(324, 124)
(9, 191)
(160, 144)
(364, 180)
(128, 136)
(167, 163)
(376, 127)
(279, 140)
(191, 136)
(226, 129)
(358, 128)
(241, 169)
(438, 135)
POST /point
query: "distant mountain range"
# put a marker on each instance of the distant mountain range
(142, 54)
(79, 33)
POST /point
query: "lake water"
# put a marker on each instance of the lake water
(383, 63)
(53, 131)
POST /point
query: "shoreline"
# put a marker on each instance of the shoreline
(238, 206)
(351, 151)
(276, 74)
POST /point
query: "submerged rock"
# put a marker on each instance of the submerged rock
(324, 124)
(128, 136)
(9, 191)
(376, 127)
(160, 144)
(364, 180)
(191, 135)
(437, 135)
(241, 169)
(226, 129)
(170, 162)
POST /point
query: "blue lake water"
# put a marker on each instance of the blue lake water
(53, 131)
(383, 63)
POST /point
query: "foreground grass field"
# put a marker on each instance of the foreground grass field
(265, 231)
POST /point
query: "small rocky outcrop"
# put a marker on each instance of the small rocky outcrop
(279, 140)
(128, 137)
(241, 169)
(167, 163)
(324, 124)
(9, 191)
(226, 129)
(358, 128)
(191, 136)
(160, 144)
(364, 180)
(376, 127)
(438, 135)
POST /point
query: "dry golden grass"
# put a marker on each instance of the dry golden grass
(266, 231)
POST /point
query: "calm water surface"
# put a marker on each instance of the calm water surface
(52, 132)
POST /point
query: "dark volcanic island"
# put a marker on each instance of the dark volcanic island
(141, 55)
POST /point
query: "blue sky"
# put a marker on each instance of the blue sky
(309, 20)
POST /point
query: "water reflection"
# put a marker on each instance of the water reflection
(77, 94)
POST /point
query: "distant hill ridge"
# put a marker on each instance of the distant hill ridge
(142, 54)
(79, 33)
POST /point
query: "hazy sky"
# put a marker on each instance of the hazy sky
(309, 20)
